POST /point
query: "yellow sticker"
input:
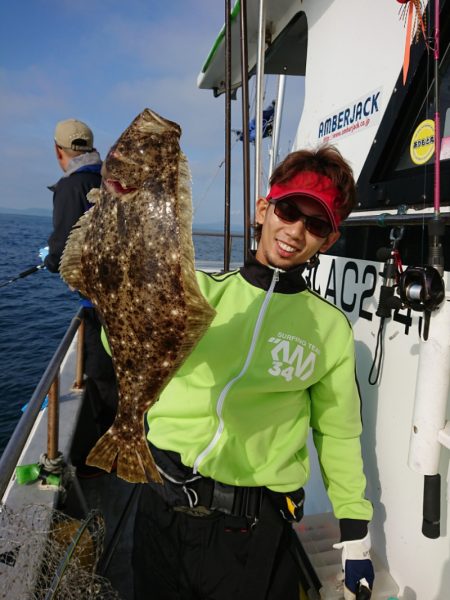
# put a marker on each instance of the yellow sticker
(421, 148)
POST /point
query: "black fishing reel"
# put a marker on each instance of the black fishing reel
(422, 289)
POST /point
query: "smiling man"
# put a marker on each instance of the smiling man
(229, 433)
(299, 218)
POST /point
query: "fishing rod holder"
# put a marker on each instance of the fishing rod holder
(388, 301)
(430, 429)
(436, 231)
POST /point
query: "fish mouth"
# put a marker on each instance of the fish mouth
(114, 186)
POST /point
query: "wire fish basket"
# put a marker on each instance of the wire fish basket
(47, 555)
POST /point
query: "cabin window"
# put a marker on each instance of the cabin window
(280, 58)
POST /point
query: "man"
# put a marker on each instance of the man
(229, 431)
(81, 164)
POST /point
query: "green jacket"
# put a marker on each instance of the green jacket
(276, 360)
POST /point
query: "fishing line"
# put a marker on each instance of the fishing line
(208, 187)
(23, 274)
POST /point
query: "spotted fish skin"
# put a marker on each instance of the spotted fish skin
(131, 254)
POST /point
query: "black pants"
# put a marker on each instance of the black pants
(177, 556)
(99, 369)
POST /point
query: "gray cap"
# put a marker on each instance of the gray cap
(74, 135)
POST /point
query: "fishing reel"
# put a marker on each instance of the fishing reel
(422, 289)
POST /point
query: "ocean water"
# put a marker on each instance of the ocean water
(35, 311)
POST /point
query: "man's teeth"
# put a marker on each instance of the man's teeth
(286, 247)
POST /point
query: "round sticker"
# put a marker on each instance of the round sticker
(421, 148)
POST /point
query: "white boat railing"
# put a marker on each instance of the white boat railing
(49, 384)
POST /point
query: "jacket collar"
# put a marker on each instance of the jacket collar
(289, 282)
(89, 161)
(80, 162)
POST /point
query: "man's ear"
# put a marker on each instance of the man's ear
(58, 152)
(261, 208)
(330, 240)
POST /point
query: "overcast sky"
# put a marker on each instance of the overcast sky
(103, 61)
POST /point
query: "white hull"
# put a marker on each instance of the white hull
(417, 564)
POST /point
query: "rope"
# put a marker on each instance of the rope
(52, 465)
(379, 353)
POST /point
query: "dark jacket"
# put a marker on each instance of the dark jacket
(69, 203)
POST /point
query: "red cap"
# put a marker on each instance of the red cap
(312, 185)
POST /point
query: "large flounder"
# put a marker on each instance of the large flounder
(131, 254)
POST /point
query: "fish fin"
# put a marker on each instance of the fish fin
(70, 267)
(134, 463)
(94, 195)
(200, 313)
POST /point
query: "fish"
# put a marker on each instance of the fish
(132, 255)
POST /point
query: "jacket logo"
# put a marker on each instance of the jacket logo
(290, 363)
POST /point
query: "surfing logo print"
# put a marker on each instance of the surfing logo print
(292, 357)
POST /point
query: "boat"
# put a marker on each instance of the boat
(376, 90)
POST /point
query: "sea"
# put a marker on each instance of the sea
(36, 310)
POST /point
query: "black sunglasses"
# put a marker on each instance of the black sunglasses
(288, 211)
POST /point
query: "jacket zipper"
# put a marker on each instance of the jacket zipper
(219, 407)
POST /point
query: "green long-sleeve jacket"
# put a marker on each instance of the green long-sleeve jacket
(276, 360)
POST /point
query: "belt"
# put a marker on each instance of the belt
(208, 495)
(200, 496)
(197, 495)
(237, 501)
(204, 496)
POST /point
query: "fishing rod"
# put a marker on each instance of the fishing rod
(226, 238)
(23, 274)
(418, 287)
(436, 228)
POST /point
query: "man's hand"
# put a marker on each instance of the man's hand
(357, 566)
(43, 252)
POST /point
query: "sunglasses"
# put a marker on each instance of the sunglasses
(288, 211)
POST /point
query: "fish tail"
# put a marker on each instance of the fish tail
(134, 461)
(105, 451)
(136, 464)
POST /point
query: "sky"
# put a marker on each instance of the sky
(103, 62)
